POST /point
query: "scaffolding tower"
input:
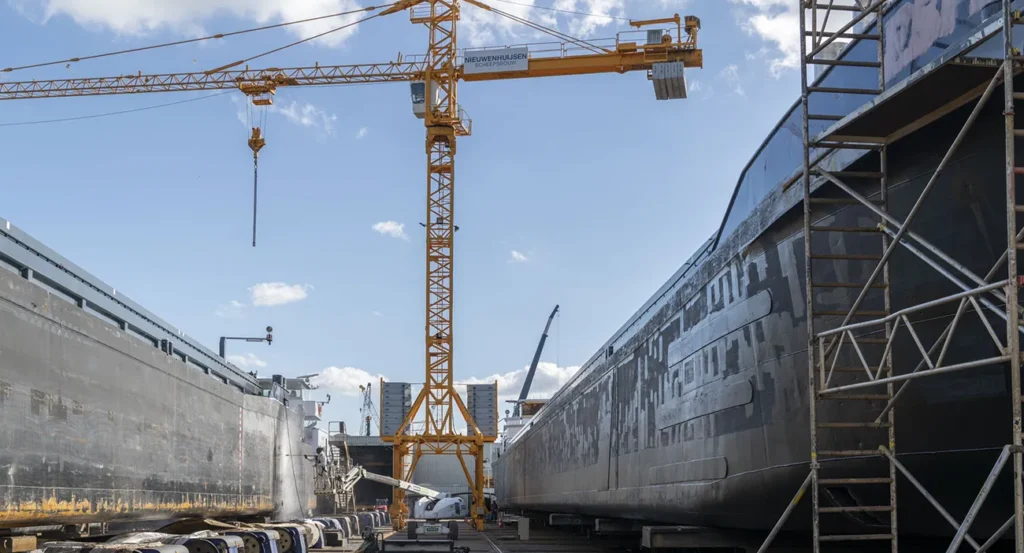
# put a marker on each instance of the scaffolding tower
(852, 325)
(328, 478)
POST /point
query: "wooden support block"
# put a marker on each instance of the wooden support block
(17, 544)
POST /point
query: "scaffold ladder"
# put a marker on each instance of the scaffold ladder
(847, 279)
(1012, 61)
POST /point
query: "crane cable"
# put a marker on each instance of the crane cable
(255, 194)
(289, 45)
(256, 143)
(257, 140)
(559, 10)
(537, 26)
(557, 34)
(110, 113)
(289, 23)
(191, 40)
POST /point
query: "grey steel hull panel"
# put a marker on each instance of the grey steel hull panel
(700, 414)
(96, 425)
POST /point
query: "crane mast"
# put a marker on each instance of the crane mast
(445, 121)
(440, 146)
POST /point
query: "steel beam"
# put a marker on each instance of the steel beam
(566, 519)
(931, 499)
(920, 239)
(812, 385)
(687, 537)
(997, 536)
(920, 199)
(961, 532)
(617, 526)
(1012, 288)
(785, 514)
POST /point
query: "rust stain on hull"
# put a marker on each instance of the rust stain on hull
(134, 504)
(97, 425)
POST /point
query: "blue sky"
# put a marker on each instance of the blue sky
(581, 191)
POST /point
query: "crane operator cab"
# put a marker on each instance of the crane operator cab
(418, 90)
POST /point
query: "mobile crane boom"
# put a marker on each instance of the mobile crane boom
(359, 473)
(525, 392)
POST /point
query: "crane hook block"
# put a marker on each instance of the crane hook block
(256, 141)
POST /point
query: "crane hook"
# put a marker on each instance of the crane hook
(256, 143)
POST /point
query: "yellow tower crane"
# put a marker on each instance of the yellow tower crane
(663, 54)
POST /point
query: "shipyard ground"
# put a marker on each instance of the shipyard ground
(544, 539)
(505, 540)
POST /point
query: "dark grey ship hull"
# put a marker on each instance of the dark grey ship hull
(696, 412)
(97, 424)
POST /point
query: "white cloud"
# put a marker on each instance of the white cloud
(518, 257)
(378, 314)
(483, 28)
(776, 21)
(761, 54)
(363, 132)
(234, 309)
(548, 379)
(602, 12)
(697, 87)
(391, 228)
(247, 361)
(344, 380)
(731, 75)
(187, 17)
(278, 293)
(306, 115)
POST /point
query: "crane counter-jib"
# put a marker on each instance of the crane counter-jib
(614, 62)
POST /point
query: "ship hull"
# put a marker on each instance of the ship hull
(698, 412)
(97, 425)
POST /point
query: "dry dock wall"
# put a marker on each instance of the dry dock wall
(96, 424)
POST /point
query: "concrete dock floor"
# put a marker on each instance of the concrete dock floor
(542, 540)
(505, 540)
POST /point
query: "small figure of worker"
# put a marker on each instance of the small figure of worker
(494, 510)
(319, 462)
